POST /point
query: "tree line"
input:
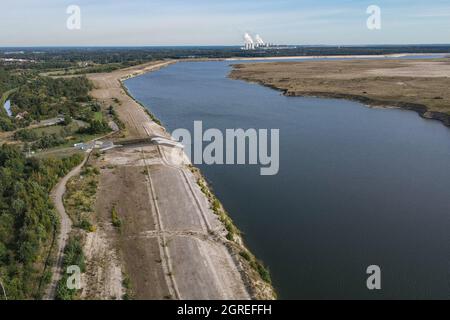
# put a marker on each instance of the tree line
(28, 221)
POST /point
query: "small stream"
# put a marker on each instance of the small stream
(7, 107)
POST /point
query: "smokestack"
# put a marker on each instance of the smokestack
(259, 40)
(249, 43)
(248, 38)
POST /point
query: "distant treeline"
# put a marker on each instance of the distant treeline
(66, 57)
(27, 219)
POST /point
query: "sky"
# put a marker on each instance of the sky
(222, 22)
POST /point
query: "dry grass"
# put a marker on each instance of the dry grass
(384, 82)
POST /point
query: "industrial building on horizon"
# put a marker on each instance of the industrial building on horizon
(259, 44)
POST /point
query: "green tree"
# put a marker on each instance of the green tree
(67, 120)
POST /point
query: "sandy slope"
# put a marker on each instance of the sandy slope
(172, 244)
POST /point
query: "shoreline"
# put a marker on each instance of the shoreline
(421, 109)
(246, 264)
(238, 242)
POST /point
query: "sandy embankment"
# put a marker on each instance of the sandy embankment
(390, 56)
(171, 244)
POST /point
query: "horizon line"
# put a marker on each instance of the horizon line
(219, 45)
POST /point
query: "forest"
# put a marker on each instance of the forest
(54, 57)
(45, 97)
(28, 221)
(37, 97)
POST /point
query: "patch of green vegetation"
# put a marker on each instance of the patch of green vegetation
(80, 197)
(44, 97)
(98, 116)
(97, 69)
(116, 118)
(73, 256)
(95, 127)
(6, 124)
(126, 284)
(67, 120)
(58, 129)
(28, 221)
(256, 265)
(48, 137)
(152, 116)
(9, 83)
(115, 219)
(218, 209)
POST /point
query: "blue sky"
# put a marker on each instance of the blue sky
(222, 22)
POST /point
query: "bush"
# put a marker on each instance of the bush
(116, 222)
(73, 256)
(6, 124)
(26, 135)
(95, 127)
(67, 120)
(86, 225)
(48, 141)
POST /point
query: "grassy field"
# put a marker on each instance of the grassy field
(98, 116)
(66, 147)
(58, 153)
(420, 85)
(73, 127)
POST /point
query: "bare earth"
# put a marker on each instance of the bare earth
(419, 85)
(171, 244)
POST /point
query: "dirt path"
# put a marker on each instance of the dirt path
(66, 226)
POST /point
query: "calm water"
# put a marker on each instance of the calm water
(357, 186)
(7, 107)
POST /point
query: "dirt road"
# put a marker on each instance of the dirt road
(66, 225)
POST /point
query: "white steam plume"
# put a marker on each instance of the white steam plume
(259, 40)
(248, 38)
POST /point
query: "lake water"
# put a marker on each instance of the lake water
(357, 186)
(7, 107)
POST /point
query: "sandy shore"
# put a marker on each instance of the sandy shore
(172, 244)
(391, 56)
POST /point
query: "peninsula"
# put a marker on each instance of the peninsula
(418, 85)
